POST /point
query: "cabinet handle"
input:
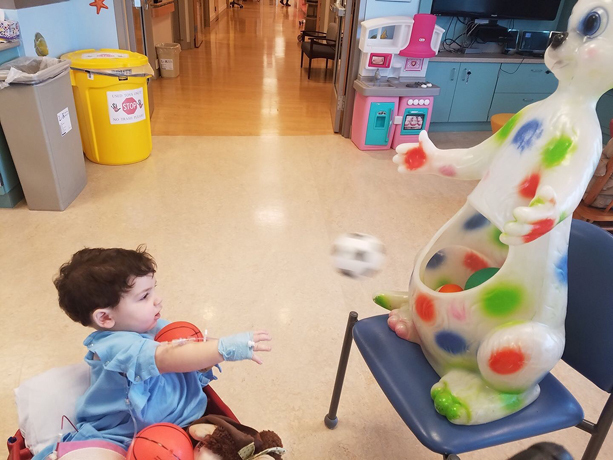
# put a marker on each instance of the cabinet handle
(536, 70)
(391, 115)
(528, 99)
(452, 74)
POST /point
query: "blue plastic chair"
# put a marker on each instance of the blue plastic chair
(406, 377)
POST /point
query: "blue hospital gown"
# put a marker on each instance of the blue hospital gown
(126, 387)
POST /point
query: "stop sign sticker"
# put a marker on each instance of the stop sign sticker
(126, 106)
(129, 106)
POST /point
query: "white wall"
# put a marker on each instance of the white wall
(378, 8)
(162, 29)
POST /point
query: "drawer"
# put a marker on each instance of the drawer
(526, 78)
(604, 109)
(513, 102)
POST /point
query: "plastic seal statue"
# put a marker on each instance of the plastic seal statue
(493, 342)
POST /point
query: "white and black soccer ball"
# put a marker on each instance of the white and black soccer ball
(357, 254)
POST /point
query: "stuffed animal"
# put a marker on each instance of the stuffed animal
(221, 438)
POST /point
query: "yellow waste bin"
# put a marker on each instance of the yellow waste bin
(110, 91)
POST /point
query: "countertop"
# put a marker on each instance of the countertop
(446, 56)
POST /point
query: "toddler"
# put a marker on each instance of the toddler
(136, 381)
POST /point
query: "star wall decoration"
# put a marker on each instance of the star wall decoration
(99, 4)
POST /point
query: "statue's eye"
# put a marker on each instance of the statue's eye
(594, 23)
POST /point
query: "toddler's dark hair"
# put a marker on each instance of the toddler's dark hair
(96, 278)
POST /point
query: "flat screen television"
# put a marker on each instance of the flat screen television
(544, 10)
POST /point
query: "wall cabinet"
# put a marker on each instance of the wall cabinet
(466, 90)
(520, 85)
(473, 93)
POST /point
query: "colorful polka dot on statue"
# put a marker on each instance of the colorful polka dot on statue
(537, 202)
(436, 261)
(448, 171)
(557, 150)
(451, 342)
(503, 133)
(415, 158)
(476, 221)
(424, 307)
(496, 237)
(562, 269)
(526, 135)
(528, 187)
(442, 282)
(539, 229)
(474, 262)
(502, 300)
(511, 402)
(507, 360)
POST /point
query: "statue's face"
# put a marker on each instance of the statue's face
(583, 57)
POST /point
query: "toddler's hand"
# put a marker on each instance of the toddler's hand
(241, 346)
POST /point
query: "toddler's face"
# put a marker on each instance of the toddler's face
(139, 308)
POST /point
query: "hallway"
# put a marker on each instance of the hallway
(245, 80)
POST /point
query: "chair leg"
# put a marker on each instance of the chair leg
(450, 457)
(600, 431)
(310, 60)
(331, 420)
(326, 72)
(301, 58)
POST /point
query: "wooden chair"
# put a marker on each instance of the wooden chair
(319, 45)
(601, 217)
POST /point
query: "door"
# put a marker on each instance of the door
(140, 36)
(341, 60)
(379, 123)
(474, 92)
(198, 22)
(445, 75)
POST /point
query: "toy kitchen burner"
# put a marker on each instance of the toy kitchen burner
(393, 101)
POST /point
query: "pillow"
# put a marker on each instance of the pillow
(45, 398)
(91, 450)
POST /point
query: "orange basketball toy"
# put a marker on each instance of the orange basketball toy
(179, 330)
(162, 441)
(450, 288)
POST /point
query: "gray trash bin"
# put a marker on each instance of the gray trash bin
(39, 119)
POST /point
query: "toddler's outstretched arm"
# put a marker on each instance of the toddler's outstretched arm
(193, 356)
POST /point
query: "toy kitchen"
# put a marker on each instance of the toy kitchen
(393, 100)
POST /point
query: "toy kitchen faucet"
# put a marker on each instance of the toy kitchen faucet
(393, 100)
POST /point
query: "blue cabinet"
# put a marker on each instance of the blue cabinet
(514, 102)
(445, 75)
(466, 90)
(10, 189)
(520, 85)
(379, 123)
(526, 78)
(474, 90)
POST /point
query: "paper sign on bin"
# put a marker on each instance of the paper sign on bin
(126, 106)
